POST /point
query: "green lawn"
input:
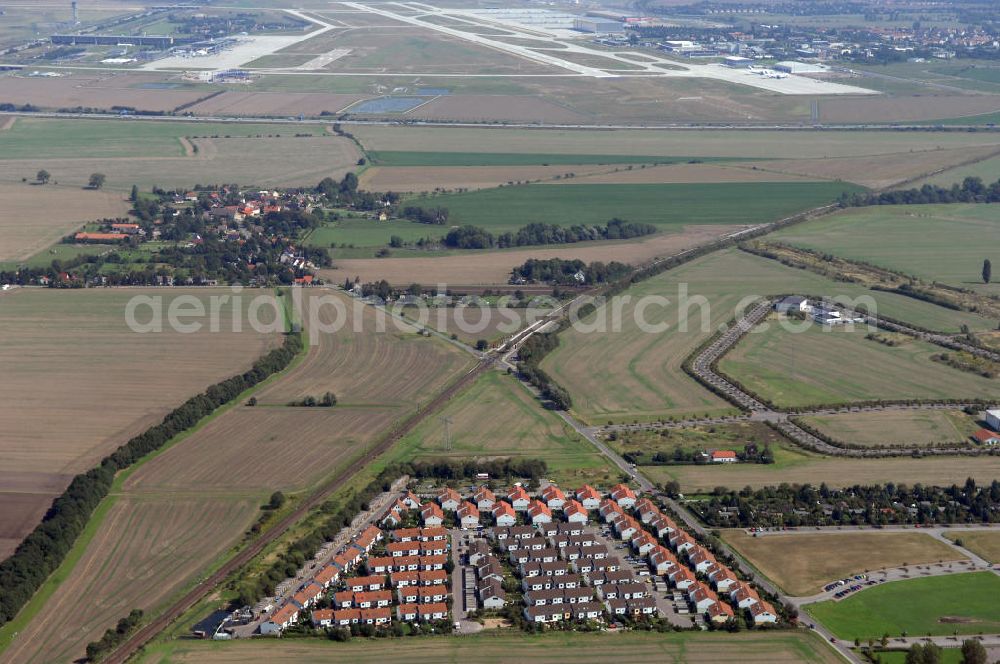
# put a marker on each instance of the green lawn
(836, 365)
(948, 656)
(368, 233)
(665, 205)
(34, 137)
(940, 606)
(401, 158)
(945, 243)
(499, 417)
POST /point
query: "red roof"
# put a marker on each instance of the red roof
(723, 454)
(985, 435)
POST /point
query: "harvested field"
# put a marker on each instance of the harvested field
(802, 563)
(557, 647)
(34, 217)
(839, 365)
(494, 267)
(95, 91)
(879, 171)
(144, 551)
(274, 103)
(685, 173)
(988, 170)
(470, 108)
(627, 373)
(937, 606)
(475, 321)
(805, 468)
(942, 243)
(897, 427)
(706, 143)
(249, 449)
(56, 344)
(422, 178)
(985, 544)
(363, 366)
(498, 417)
(906, 109)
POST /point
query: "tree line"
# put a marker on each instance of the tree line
(44, 549)
(530, 355)
(876, 505)
(114, 636)
(475, 237)
(972, 190)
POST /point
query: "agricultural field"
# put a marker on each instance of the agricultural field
(906, 108)
(442, 159)
(228, 466)
(988, 170)
(664, 205)
(783, 647)
(797, 466)
(897, 169)
(498, 417)
(26, 232)
(493, 267)
(624, 374)
(801, 563)
(101, 90)
(941, 606)
(691, 144)
(941, 243)
(362, 364)
(172, 154)
(475, 320)
(839, 365)
(896, 427)
(59, 345)
(985, 544)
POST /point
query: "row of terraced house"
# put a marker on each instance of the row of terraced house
(408, 583)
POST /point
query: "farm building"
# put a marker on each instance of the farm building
(993, 419)
(792, 303)
(723, 456)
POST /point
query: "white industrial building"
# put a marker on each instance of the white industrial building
(993, 419)
(794, 67)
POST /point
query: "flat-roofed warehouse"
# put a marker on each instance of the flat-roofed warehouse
(793, 67)
(597, 25)
(157, 41)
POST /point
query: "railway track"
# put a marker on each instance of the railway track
(148, 632)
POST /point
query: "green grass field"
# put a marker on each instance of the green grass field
(401, 158)
(988, 170)
(31, 138)
(838, 365)
(498, 417)
(665, 205)
(889, 427)
(624, 373)
(945, 243)
(942, 605)
(782, 647)
(948, 656)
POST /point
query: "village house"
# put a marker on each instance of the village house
(468, 515)
(504, 514)
(723, 456)
(281, 619)
(554, 497)
(449, 499)
(539, 512)
(431, 515)
(575, 512)
(588, 497)
(484, 499)
(762, 613)
(623, 495)
(518, 498)
(491, 594)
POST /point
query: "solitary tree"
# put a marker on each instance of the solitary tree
(134, 196)
(97, 180)
(43, 176)
(277, 500)
(973, 652)
(987, 271)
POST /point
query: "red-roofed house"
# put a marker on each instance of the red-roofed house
(724, 456)
(762, 612)
(484, 499)
(575, 512)
(431, 514)
(518, 498)
(327, 575)
(468, 515)
(554, 497)
(504, 514)
(367, 538)
(720, 612)
(539, 512)
(986, 437)
(283, 618)
(449, 499)
(623, 495)
(588, 497)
